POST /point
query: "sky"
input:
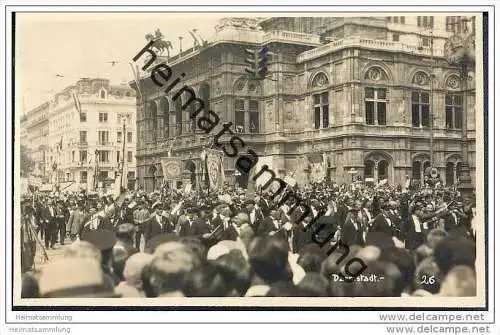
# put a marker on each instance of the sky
(77, 45)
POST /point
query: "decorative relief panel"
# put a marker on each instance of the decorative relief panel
(420, 78)
(320, 80)
(453, 82)
(376, 73)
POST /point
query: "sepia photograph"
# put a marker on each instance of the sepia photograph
(228, 159)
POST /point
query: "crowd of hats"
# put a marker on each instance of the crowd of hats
(103, 264)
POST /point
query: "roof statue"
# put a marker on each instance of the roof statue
(159, 43)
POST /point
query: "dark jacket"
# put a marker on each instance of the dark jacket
(152, 227)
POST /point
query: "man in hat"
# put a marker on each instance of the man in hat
(232, 231)
(193, 226)
(76, 221)
(270, 224)
(157, 224)
(104, 240)
(49, 224)
(352, 229)
(60, 221)
(382, 222)
(255, 215)
(81, 279)
(141, 215)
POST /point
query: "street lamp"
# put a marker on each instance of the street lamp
(459, 50)
(124, 117)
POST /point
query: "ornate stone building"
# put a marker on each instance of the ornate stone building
(370, 94)
(64, 143)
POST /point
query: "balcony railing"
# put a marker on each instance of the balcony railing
(368, 44)
(290, 36)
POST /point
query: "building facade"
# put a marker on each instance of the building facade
(74, 142)
(374, 96)
(34, 136)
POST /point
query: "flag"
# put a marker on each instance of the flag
(96, 170)
(318, 172)
(172, 168)
(135, 71)
(195, 38)
(59, 145)
(78, 105)
(214, 168)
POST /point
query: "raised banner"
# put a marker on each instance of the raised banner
(318, 171)
(172, 168)
(215, 168)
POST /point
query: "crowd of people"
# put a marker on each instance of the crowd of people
(413, 242)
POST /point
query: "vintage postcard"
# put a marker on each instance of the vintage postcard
(205, 159)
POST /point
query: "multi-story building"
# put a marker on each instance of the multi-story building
(72, 141)
(34, 135)
(375, 96)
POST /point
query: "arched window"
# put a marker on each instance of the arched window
(153, 122)
(178, 117)
(102, 94)
(383, 170)
(204, 94)
(417, 170)
(369, 169)
(458, 169)
(450, 173)
(427, 165)
(149, 179)
(191, 167)
(165, 114)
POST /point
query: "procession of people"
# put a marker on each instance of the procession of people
(413, 241)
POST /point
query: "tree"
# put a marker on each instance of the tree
(27, 164)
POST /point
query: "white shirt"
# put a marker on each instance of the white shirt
(416, 223)
(368, 213)
(252, 216)
(454, 217)
(159, 219)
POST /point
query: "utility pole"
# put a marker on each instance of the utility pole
(431, 102)
(124, 117)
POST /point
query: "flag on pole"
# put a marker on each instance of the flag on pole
(59, 144)
(96, 170)
(78, 105)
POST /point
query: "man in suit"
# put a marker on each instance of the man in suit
(255, 215)
(263, 204)
(141, 215)
(193, 226)
(269, 225)
(157, 224)
(352, 229)
(76, 221)
(382, 222)
(49, 224)
(60, 216)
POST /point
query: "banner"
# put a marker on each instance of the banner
(318, 171)
(215, 168)
(172, 168)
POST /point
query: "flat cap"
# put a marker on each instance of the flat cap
(193, 210)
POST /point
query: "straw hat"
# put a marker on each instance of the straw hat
(71, 278)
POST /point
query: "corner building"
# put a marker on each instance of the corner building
(367, 92)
